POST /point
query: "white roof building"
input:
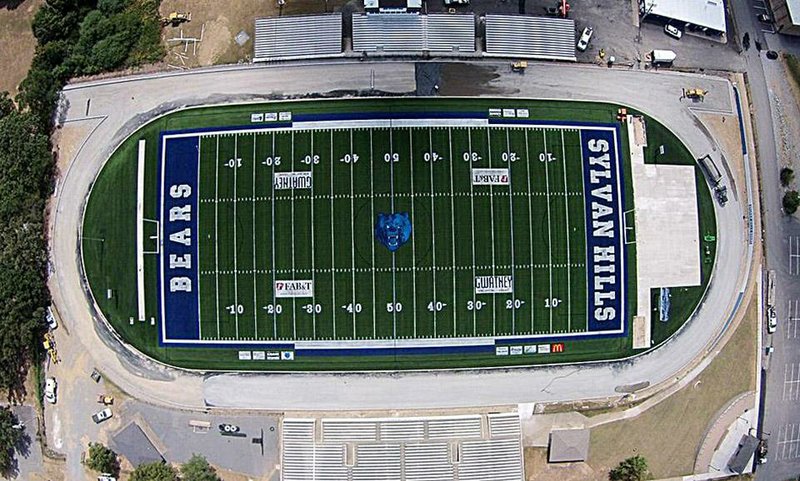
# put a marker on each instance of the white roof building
(705, 14)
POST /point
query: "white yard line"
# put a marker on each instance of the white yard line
(216, 230)
(491, 222)
(433, 234)
(352, 242)
(372, 217)
(140, 287)
(472, 226)
(333, 252)
(235, 260)
(313, 253)
(413, 235)
(583, 211)
(566, 211)
(452, 226)
(255, 265)
(511, 225)
(530, 223)
(394, 257)
(274, 294)
(199, 316)
(549, 231)
(291, 243)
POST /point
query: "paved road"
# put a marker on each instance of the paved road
(112, 105)
(771, 101)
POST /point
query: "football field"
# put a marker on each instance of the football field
(391, 229)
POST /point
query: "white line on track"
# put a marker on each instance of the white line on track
(433, 233)
(530, 221)
(566, 211)
(549, 231)
(216, 230)
(413, 236)
(472, 226)
(511, 228)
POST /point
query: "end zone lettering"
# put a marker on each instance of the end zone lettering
(494, 285)
(490, 177)
(604, 251)
(292, 180)
(294, 288)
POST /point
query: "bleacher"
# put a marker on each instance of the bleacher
(530, 37)
(480, 447)
(298, 37)
(413, 34)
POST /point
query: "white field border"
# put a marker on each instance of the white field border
(390, 343)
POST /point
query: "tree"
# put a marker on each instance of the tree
(787, 176)
(158, 471)
(10, 439)
(631, 469)
(198, 469)
(791, 201)
(102, 459)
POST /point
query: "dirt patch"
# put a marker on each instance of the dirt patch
(461, 79)
(669, 434)
(538, 469)
(52, 470)
(18, 43)
(219, 22)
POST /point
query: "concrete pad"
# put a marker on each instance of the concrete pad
(536, 429)
(667, 236)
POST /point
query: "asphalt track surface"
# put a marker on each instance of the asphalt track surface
(117, 107)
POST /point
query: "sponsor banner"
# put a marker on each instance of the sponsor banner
(495, 112)
(287, 355)
(604, 247)
(256, 117)
(245, 355)
(292, 180)
(543, 348)
(494, 284)
(501, 350)
(523, 113)
(509, 113)
(273, 356)
(294, 288)
(490, 177)
(285, 116)
(270, 116)
(259, 355)
(557, 347)
(530, 349)
(516, 350)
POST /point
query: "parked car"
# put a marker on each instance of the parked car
(764, 17)
(673, 31)
(105, 399)
(586, 36)
(95, 375)
(51, 319)
(106, 477)
(101, 416)
(50, 387)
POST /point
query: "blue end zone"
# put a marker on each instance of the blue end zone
(605, 254)
(179, 255)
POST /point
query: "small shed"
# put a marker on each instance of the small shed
(568, 445)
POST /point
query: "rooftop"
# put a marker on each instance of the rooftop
(704, 13)
(569, 445)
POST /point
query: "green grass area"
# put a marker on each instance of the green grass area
(683, 300)
(347, 221)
